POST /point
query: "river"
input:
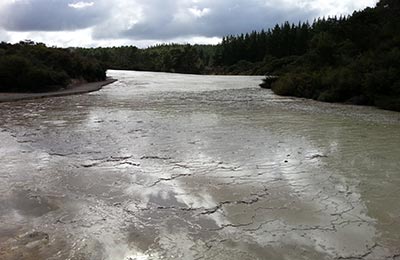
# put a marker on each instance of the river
(169, 166)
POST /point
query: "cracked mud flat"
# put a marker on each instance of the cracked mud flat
(161, 166)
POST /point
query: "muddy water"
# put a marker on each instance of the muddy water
(162, 166)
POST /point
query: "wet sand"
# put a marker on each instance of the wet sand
(74, 90)
(167, 166)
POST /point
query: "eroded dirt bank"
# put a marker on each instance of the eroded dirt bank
(74, 90)
(161, 166)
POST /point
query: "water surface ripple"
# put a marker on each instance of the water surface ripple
(168, 166)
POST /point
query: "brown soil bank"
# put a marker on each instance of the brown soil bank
(78, 89)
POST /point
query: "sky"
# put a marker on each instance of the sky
(92, 23)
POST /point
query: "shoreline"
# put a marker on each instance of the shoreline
(76, 90)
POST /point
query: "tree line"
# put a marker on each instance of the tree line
(353, 58)
(34, 67)
(163, 58)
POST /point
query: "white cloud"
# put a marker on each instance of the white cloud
(81, 5)
(124, 15)
(338, 7)
(199, 12)
(146, 22)
(4, 37)
(82, 38)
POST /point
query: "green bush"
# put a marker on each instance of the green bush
(339, 85)
(240, 67)
(285, 86)
(268, 81)
(30, 67)
(13, 71)
(388, 102)
(297, 84)
(42, 80)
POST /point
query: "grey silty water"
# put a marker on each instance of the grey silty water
(169, 166)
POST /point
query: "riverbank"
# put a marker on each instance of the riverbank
(75, 90)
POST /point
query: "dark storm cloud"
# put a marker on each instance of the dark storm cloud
(166, 19)
(162, 20)
(50, 15)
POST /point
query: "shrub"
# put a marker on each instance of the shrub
(268, 81)
(30, 67)
(297, 84)
(339, 85)
(42, 80)
(12, 72)
(388, 102)
(284, 86)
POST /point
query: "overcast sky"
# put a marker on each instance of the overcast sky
(147, 22)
